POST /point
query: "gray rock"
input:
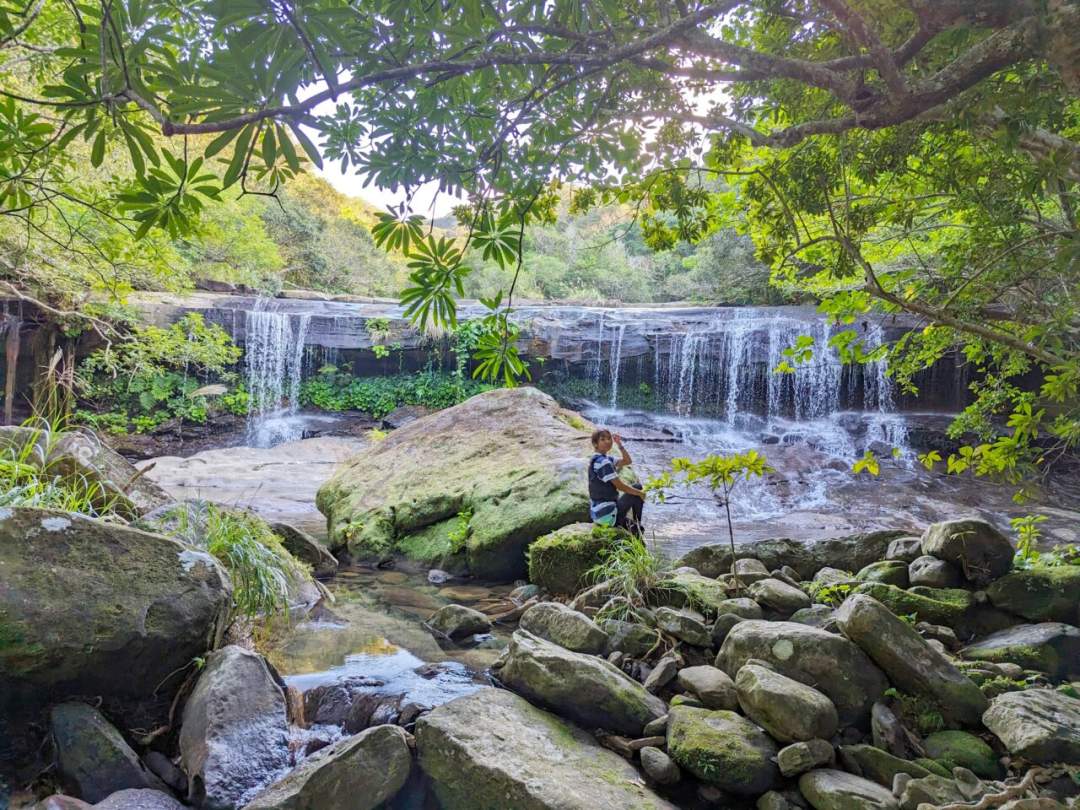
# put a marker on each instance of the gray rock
(59, 801)
(355, 773)
(887, 731)
(933, 573)
(306, 549)
(891, 572)
(749, 570)
(821, 616)
(773, 800)
(723, 624)
(457, 622)
(981, 552)
(656, 728)
(938, 632)
(636, 640)
(801, 757)
(933, 790)
(166, 771)
(911, 664)
(436, 576)
(740, 606)
(833, 576)
(582, 688)
(835, 790)
(878, 765)
(139, 799)
(711, 686)
(1050, 647)
(1041, 594)
(1042, 725)
(722, 749)
(492, 749)
(779, 596)
(684, 625)
(659, 767)
(826, 661)
(906, 549)
(234, 734)
(662, 674)
(556, 622)
(92, 758)
(790, 711)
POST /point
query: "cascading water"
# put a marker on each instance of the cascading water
(274, 364)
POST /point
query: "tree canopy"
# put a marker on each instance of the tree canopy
(890, 155)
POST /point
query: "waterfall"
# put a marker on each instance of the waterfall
(615, 362)
(274, 364)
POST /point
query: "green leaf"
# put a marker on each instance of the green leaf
(97, 153)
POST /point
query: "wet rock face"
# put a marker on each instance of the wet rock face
(95, 608)
(582, 688)
(494, 750)
(356, 773)
(811, 656)
(511, 461)
(234, 734)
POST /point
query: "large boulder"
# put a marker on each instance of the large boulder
(1040, 594)
(234, 734)
(789, 710)
(909, 661)
(493, 750)
(1042, 725)
(356, 773)
(582, 688)
(723, 749)
(1050, 647)
(92, 758)
(560, 560)
(807, 557)
(954, 608)
(980, 551)
(560, 624)
(95, 608)
(511, 460)
(827, 789)
(818, 658)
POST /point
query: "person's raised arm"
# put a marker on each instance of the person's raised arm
(625, 461)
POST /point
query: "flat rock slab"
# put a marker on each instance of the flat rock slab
(827, 789)
(494, 750)
(1042, 725)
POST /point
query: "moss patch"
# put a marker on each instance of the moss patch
(560, 560)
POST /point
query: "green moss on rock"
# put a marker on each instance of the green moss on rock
(960, 749)
(559, 561)
(723, 749)
(1040, 594)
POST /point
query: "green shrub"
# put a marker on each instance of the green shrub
(335, 390)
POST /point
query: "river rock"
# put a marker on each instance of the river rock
(1050, 647)
(631, 638)
(659, 767)
(932, 572)
(582, 688)
(789, 710)
(723, 749)
(560, 560)
(662, 674)
(458, 622)
(827, 789)
(909, 661)
(742, 606)
(933, 790)
(710, 685)
(92, 759)
(702, 592)
(981, 552)
(826, 661)
(905, 549)
(749, 570)
(821, 616)
(139, 799)
(880, 766)
(684, 625)
(306, 549)
(1042, 725)
(465, 460)
(95, 608)
(722, 626)
(557, 623)
(234, 734)
(355, 773)
(959, 749)
(801, 757)
(779, 596)
(1040, 594)
(955, 608)
(492, 750)
(891, 572)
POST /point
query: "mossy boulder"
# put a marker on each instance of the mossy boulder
(879, 765)
(981, 552)
(1042, 725)
(95, 608)
(493, 750)
(582, 688)
(722, 748)
(1050, 647)
(560, 560)
(955, 608)
(891, 572)
(702, 593)
(959, 749)
(504, 468)
(566, 627)
(1040, 594)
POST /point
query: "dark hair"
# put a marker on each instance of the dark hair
(600, 433)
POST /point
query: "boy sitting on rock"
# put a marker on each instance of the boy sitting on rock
(612, 502)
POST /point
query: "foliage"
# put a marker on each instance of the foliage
(156, 374)
(1028, 534)
(337, 390)
(634, 573)
(460, 533)
(260, 568)
(918, 712)
(829, 593)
